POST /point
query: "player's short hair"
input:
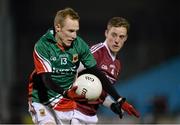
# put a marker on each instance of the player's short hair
(118, 22)
(61, 15)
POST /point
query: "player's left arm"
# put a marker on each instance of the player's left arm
(104, 80)
(89, 62)
(120, 102)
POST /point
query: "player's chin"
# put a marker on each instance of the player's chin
(115, 50)
(68, 44)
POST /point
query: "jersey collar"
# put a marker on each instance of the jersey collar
(60, 46)
(50, 35)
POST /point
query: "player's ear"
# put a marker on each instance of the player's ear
(57, 27)
(126, 37)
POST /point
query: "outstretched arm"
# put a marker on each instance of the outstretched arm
(120, 102)
(104, 80)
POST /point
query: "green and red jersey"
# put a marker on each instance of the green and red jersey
(62, 63)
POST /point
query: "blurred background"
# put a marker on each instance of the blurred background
(150, 78)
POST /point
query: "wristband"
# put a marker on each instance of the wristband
(65, 92)
(121, 100)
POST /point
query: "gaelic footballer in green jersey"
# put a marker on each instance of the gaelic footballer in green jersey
(49, 57)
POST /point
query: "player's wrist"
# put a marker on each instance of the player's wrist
(108, 101)
(121, 100)
(116, 109)
(65, 93)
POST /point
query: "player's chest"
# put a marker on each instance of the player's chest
(110, 67)
(59, 58)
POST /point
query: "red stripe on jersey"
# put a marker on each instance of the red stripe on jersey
(39, 64)
(30, 86)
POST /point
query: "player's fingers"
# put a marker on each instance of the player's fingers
(80, 96)
(121, 113)
(129, 112)
(74, 88)
(81, 99)
(135, 113)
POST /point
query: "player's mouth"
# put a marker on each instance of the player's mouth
(115, 46)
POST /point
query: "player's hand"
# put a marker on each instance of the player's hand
(71, 93)
(115, 108)
(129, 108)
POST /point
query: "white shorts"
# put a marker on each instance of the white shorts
(44, 114)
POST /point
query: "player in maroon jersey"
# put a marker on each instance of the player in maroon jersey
(106, 56)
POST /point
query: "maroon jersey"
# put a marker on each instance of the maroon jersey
(109, 65)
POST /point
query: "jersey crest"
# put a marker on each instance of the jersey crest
(75, 58)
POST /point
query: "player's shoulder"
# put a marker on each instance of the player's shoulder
(79, 41)
(42, 42)
(46, 39)
(96, 47)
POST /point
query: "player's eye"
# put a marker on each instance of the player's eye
(114, 35)
(71, 31)
(122, 36)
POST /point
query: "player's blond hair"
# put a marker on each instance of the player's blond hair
(118, 22)
(61, 15)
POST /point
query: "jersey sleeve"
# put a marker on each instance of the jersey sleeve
(97, 54)
(41, 58)
(86, 56)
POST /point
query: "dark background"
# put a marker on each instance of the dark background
(153, 38)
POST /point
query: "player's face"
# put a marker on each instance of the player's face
(67, 33)
(116, 37)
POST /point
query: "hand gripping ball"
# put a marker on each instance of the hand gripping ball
(88, 85)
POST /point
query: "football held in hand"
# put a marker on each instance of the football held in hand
(88, 85)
